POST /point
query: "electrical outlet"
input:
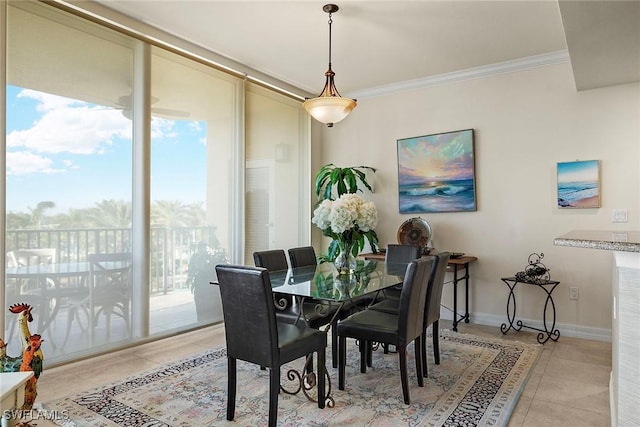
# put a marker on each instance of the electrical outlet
(573, 292)
(619, 215)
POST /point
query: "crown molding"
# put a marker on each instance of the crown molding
(513, 66)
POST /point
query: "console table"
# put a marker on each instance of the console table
(12, 386)
(455, 265)
(547, 286)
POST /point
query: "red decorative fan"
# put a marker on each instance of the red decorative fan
(415, 231)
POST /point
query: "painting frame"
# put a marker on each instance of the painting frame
(578, 184)
(437, 173)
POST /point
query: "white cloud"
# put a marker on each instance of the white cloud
(69, 126)
(67, 129)
(162, 128)
(23, 162)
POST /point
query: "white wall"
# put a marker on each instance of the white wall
(525, 123)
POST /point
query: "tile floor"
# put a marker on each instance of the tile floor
(569, 386)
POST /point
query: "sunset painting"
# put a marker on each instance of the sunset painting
(436, 173)
(579, 184)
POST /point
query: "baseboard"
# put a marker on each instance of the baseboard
(566, 329)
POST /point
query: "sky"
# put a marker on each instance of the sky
(579, 171)
(441, 157)
(77, 154)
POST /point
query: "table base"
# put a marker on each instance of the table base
(307, 381)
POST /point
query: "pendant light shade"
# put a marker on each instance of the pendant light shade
(329, 107)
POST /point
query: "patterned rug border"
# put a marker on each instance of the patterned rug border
(497, 410)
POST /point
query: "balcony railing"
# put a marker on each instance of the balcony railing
(170, 248)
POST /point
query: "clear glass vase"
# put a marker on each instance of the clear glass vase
(344, 286)
(345, 262)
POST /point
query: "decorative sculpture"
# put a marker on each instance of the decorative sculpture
(31, 358)
(535, 271)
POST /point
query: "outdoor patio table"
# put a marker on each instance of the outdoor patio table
(56, 272)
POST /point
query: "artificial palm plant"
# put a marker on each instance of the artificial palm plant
(331, 183)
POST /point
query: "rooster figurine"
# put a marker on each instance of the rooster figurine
(8, 363)
(32, 357)
(28, 359)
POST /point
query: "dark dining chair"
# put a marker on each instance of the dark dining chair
(399, 254)
(432, 307)
(402, 253)
(396, 254)
(276, 260)
(432, 310)
(302, 257)
(272, 260)
(396, 329)
(254, 335)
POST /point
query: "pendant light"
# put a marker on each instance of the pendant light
(329, 107)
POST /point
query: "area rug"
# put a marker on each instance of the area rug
(477, 383)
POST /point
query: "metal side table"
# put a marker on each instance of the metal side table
(544, 334)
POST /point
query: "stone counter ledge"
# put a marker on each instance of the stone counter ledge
(623, 241)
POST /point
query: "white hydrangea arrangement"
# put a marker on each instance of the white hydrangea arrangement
(348, 220)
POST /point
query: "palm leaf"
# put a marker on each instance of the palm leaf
(331, 178)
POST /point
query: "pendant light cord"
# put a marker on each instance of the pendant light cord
(330, 22)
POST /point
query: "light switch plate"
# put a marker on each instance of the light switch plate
(619, 215)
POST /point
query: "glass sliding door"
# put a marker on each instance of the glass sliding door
(193, 131)
(69, 179)
(83, 164)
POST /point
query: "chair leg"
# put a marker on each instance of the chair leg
(418, 350)
(231, 392)
(364, 350)
(127, 319)
(369, 353)
(71, 313)
(424, 352)
(435, 330)
(402, 358)
(274, 390)
(107, 319)
(322, 370)
(342, 360)
(334, 344)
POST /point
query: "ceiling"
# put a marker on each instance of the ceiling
(378, 44)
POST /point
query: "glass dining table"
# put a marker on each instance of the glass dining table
(323, 283)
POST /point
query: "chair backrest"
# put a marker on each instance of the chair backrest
(25, 257)
(402, 253)
(413, 298)
(249, 313)
(272, 260)
(434, 291)
(302, 257)
(110, 275)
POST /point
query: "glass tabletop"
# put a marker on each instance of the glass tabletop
(61, 269)
(322, 282)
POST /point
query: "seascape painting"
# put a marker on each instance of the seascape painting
(436, 173)
(579, 184)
